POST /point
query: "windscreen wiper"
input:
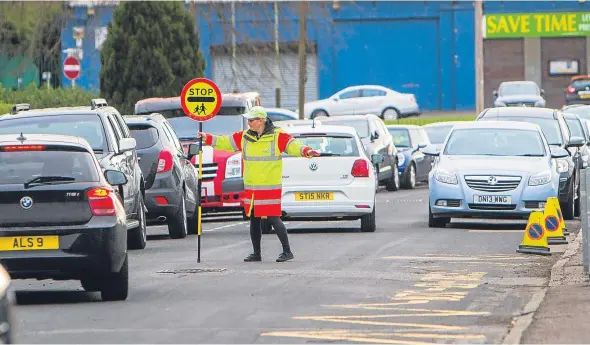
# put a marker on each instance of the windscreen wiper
(41, 180)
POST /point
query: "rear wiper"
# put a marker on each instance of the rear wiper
(329, 154)
(98, 150)
(532, 155)
(40, 180)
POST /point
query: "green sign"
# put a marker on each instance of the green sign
(517, 25)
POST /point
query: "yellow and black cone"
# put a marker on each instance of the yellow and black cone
(535, 237)
(555, 202)
(553, 225)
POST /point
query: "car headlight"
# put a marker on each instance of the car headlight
(401, 159)
(541, 178)
(233, 166)
(562, 165)
(446, 177)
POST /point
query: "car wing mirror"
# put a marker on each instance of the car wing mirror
(115, 177)
(576, 142)
(431, 151)
(558, 152)
(127, 144)
(193, 150)
(377, 158)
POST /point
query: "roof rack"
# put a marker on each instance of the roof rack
(20, 107)
(98, 103)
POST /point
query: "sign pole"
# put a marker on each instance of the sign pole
(200, 100)
(199, 220)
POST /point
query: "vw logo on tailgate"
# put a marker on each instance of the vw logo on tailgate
(313, 166)
(26, 202)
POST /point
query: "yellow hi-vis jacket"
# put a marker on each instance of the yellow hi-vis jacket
(263, 165)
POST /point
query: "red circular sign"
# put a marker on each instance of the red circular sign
(200, 99)
(71, 67)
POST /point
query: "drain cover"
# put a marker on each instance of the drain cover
(192, 270)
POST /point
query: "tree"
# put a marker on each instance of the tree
(152, 50)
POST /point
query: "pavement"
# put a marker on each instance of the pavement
(405, 283)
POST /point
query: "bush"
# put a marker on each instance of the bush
(44, 98)
(5, 108)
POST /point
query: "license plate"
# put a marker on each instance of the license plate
(585, 96)
(492, 199)
(314, 196)
(29, 243)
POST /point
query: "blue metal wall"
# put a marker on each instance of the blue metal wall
(421, 47)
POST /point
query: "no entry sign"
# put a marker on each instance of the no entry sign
(71, 68)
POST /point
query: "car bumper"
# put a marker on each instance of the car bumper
(230, 199)
(98, 250)
(460, 201)
(410, 110)
(161, 202)
(351, 202)
(575, 99)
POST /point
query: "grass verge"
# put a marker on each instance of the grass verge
(423, 121)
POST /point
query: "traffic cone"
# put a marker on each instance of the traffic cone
(534, 240)
(553, 225)
(555, 202)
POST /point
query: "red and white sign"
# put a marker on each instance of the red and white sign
(72, 67)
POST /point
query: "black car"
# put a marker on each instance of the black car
(556, 130)
(171, 180)
(62, 217)
(519, 94)
(106, 131)
(578, 91)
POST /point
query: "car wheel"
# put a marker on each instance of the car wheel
(318, 113)
(137, 237)
(569, 206)
(116, 286)
(410, 177)
(437, 222)
(368, 223)
(177, 225)
(390, 114)
(393, 183)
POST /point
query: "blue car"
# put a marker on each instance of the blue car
(492, 169)
(413, 165)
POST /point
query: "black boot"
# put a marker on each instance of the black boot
(285, 257)
(253, 257)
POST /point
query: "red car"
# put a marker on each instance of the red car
(223, 183)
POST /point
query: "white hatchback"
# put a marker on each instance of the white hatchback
(339, 185)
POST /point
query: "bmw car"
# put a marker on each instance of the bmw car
(509, 171)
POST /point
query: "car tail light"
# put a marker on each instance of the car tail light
(24, 148)
(571, 89)
(360, 168)
(165, 161)
(101, 202)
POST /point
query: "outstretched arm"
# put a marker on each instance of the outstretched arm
(231, 143)
(294, 147)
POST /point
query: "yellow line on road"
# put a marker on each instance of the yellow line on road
(346, 319)
(336, 336)
(418, 312)
(489, 231)
(453, 258)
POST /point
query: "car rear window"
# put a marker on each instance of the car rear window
(581, 83)
(401, 137)
(331, 145)
(87, 126)
(145, 136)
(21, 166)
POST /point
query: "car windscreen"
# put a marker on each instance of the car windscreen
(145, 136)
(330, 144)
(583, 112)
(88, 127)
(361, 125)
(495, 142)
(575, 127)
(518, 89)
(227, 121)
(438, 134)
(550, 127)
(401, 137)
(21, 166)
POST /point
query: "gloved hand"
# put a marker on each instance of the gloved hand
(313, 153)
